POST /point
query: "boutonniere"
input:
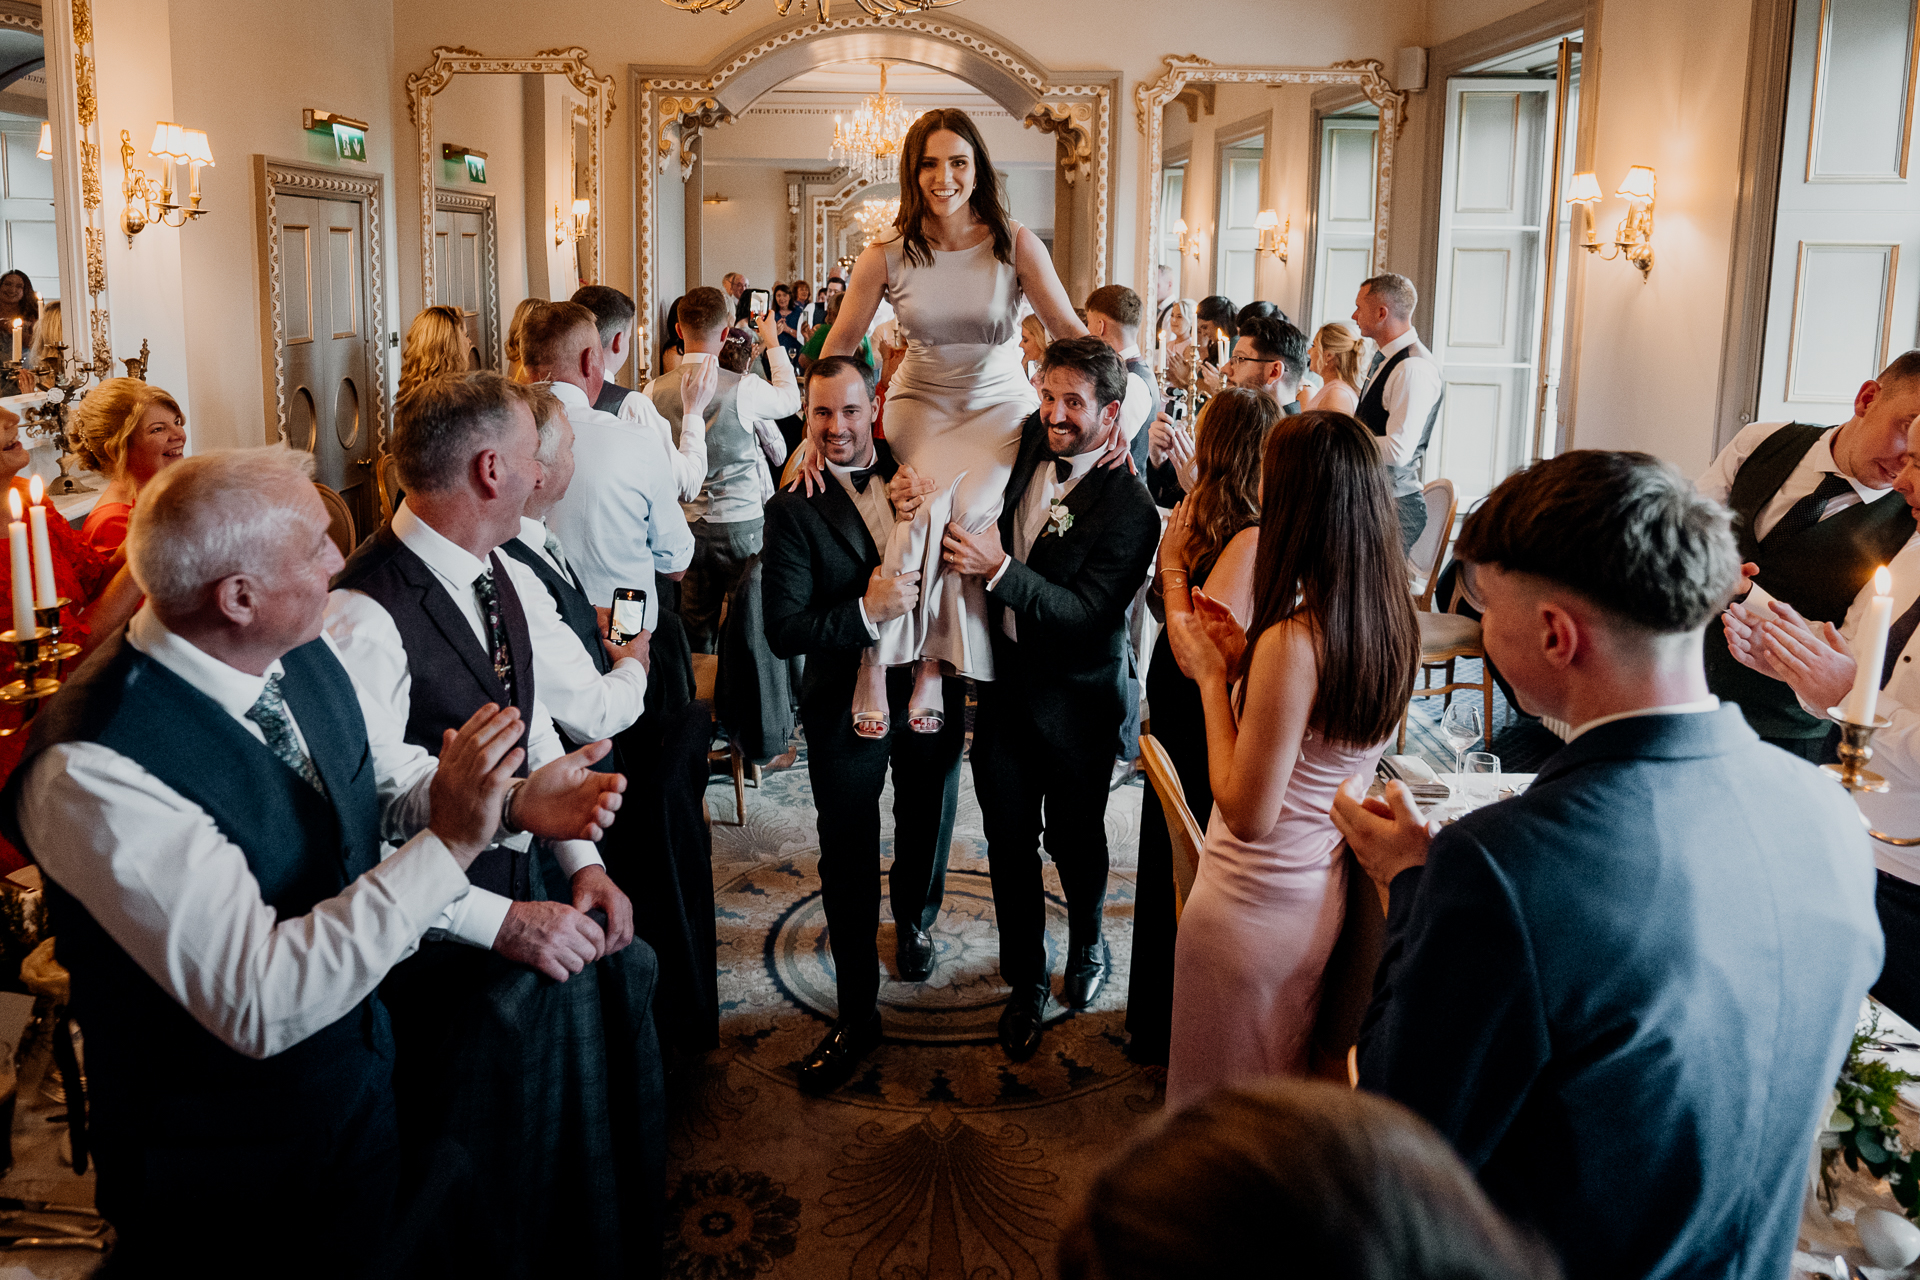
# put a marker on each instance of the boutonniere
(1059, 519)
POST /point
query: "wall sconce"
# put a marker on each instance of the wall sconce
(715, 198)
(174, 145)
(1190, 243)
(577, 230)
(1633, 238)
(45, 151)
(476, 160)
(1273, 237)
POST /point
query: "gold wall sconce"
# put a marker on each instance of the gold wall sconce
(1273, 236)
(1190, 243)
(715, 198)
(1633, 238)
(174, 145)
(563, 230)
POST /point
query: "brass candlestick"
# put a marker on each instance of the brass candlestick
(1855, 750)
(49, 620)
(32, 654)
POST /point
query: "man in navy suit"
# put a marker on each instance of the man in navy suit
(1624, 995)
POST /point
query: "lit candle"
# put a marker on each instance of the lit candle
(23, 623)
(1870, 650)
(44, 594)
(16, 341)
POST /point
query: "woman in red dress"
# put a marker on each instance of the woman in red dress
(128, 431)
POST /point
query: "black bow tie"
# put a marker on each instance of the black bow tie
(859, 477)
(1062, 468)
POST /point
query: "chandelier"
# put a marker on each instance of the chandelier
(876, 8)
(869, 143)
(876, 217)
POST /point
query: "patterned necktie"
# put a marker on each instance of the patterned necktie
(489, 597)
(1805, 514)
(269, 711)
(1897, 636)
(1373, 367)
(559, 556)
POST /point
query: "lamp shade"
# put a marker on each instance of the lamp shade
(1638, 184)
(199, 151)
(169, 140)
(581, 209)
(1267, 220)
(45, 151)
(1179, 226)
(1585, 189)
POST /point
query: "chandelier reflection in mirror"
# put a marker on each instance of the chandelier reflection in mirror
(876, 217)
(869, 143)
(786, 8)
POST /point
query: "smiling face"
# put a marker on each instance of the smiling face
(158, 441)
(782, 298)
(13, 287)
(946, 173)
(1076, 421)
(840, 417)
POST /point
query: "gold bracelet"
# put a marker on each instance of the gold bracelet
(1174, 573)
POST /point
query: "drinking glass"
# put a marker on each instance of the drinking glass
(1461, 727)
(1482, 780)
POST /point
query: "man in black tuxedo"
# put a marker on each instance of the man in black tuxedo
(1624, 995)
(823, 595)
(1071, 548)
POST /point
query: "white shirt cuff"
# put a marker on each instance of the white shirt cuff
(999, 573)
(573, 855)
(865, 621)
(476, 917)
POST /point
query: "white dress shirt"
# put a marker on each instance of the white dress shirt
(1409, 396)
(620, 521)
(369, 644)
(1896, 748)
(1043, 490)
(689, 457)
(157, 874)
(1717, 481)
(755, 400)
(1560, 730)
(586, 704)
(876, 512)
(1138, 404)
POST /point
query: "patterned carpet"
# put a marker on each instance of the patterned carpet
(941, 1160)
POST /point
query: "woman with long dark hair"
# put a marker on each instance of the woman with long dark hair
(1212, 542)
(955, 269)
(1305, 697)
(19, 302)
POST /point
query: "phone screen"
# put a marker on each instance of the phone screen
(760, 302)
(629, 614)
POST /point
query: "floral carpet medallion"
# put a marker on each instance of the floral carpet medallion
(941, 1158)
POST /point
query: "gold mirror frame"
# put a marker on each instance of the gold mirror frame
(672, 105)
(80, 214)
(450, 61)
(1151, 101)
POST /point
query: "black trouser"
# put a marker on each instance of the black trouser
(1023, 786)
(1898, 902)
(721, 556)
(1413, 519)
(847, 773)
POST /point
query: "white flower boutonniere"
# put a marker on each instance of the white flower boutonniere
(1059, 519)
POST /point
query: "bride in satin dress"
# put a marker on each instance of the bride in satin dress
(955, 268)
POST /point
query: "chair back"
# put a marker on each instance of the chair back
(1347, 987)
(1182, 830)
(339, 519)
(387, 480)
(1430, 548)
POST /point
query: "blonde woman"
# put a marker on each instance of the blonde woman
(49, 333)
(1335, 355)
(436, 344)
(1033, 343)
(127, 431)
(1180, 342)
(513, 338)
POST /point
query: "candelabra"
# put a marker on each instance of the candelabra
(37, 659)
(1855, 749)
(62, 381)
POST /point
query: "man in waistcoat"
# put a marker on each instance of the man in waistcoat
(1071, 548)
(726, 516)
(825, 595)
(527, 1038)
(1401, 398)
(207, 797)
(1815, 514)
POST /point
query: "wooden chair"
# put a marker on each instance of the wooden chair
(1347, 987)
(1182, 830)
(387, 481)
(1423, 561)
(339, 519)
(706, 677)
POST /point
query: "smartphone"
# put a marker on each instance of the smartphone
(629, 614)
(758, 302)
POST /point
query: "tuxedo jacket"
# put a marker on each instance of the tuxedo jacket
(1624, 995)
(1069, 599)
(816, 561)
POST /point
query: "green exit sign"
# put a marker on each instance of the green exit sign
(351, 142)
(476, 168)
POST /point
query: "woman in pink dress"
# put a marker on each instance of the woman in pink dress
(1305, 697)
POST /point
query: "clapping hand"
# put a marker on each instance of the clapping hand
(696, 388)
(1210, 380)
(1208, 642)
(476, 767)
(1180, 451)
(566, 799)
(1387, 835)
(1177, 538)
(908, 492)
(1812, 658)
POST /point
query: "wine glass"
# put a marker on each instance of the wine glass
(1461, 727)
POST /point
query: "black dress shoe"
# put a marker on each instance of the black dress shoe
(913, 949)
(1022, 1022)
(834, 1060)
(1087, 968)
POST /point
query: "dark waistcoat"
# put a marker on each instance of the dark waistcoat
(612, 396)
(1818, 570)
(1372, 410)
(154, 1072)
(452, 674)
(1139, 366)
(577, 612)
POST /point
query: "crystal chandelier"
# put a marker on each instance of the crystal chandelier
(869, 143)
(876, 217)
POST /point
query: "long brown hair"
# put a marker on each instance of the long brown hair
(1228, 441)
(1332, 552)
(985, 200)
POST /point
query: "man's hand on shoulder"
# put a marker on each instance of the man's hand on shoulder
(1387, 835)
(552, 937)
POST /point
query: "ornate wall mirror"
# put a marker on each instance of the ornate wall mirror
(719, 146)
(55, 214)
(512, 187)
(1248, 189)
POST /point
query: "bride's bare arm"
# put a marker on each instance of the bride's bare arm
(1041, 284)
(865, 287)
